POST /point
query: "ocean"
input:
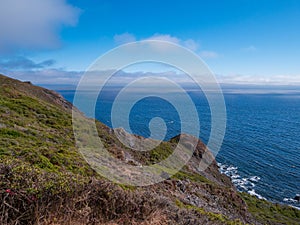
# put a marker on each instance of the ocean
(261, 147)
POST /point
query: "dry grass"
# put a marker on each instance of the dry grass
(92, 202)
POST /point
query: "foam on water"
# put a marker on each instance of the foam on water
(291, 200)
(253, 193)
(295, 207)
(245, 184)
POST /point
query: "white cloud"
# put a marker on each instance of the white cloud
(21, 62)
(127, 37)
(250, 48)
(209, 54)
(165, 37)
(260, 80)
(191, 44)
(34, 23)
(59, 76)
(124, 38)
(46, 76)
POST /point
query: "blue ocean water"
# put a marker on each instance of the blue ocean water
(261, 148)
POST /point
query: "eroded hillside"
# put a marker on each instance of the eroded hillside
(45, 180)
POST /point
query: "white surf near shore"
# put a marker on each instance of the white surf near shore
(243, 184)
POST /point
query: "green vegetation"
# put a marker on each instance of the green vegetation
(30, 195)
(17, 175)
(196, 177)
(216, 217)
(271, 213)
(38, 133)
(160, 153)
(45, 180)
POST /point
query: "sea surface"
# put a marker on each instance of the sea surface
(261, 147)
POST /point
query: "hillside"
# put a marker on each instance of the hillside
(45, 180)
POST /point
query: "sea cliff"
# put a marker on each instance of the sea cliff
(45, 180)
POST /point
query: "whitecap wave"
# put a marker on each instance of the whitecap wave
(245, 184)
(254, 178)
(291, 200)
(253, 193)
(295, 207)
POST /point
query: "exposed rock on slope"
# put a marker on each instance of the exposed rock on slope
(45, 180)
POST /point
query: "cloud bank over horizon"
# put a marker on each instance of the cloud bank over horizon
(40, 74)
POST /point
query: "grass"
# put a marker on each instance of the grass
(45, 180)
(192, 176)
(31, 195)
(271, 213)
(215, 217)
(38, 133)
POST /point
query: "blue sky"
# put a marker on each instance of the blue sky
(242, 41)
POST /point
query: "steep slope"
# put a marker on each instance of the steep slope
(45, 180)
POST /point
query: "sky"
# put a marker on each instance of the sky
(242, 41)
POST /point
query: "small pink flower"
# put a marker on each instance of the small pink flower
(9, 191)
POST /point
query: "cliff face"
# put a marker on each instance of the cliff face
(45, 180)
